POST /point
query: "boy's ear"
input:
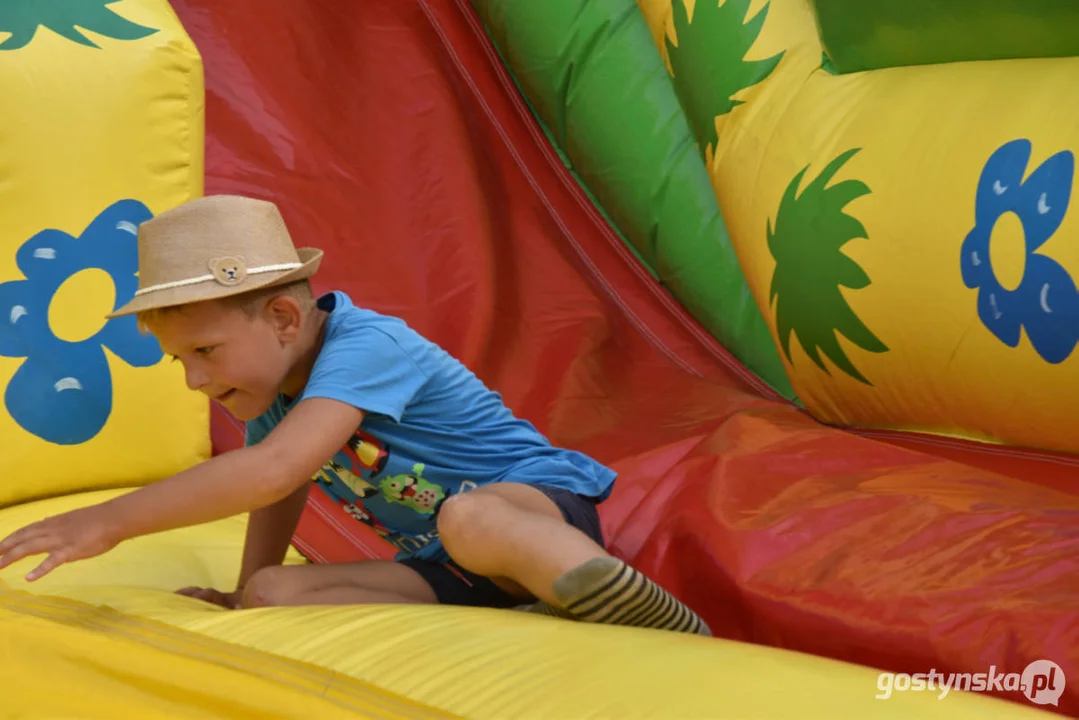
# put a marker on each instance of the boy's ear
(285, 315)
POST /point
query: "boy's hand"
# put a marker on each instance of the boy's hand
(229, 601)
(75, 535)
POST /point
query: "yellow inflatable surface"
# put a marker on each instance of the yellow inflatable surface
(107, 129)
(127, 646)
(908, 232)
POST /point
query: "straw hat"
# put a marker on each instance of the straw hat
(215, 247)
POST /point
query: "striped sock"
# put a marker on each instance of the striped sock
(543, 608)
(606, 590)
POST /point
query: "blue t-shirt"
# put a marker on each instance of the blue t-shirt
(432, 429)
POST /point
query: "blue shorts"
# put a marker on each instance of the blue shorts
(453, 585)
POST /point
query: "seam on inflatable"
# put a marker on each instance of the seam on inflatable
(611, 292)
(308, 550)
(252, 661)
(680, 314)
(68, 612)
(970, 446)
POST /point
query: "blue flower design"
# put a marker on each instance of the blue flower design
(62, 393)
(1046, 302)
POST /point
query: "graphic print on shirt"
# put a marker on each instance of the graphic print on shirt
(358, 511)
(413, 491)
(400, 506)
(363, 453)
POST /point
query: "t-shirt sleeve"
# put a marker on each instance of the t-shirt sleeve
(255, 430)
(367, 369)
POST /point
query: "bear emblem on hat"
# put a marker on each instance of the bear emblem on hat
(230, 270)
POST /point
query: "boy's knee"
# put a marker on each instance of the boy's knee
(266, 588)
(466, 519)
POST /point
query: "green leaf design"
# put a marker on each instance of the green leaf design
(710, 58)
(810, 231)
(22, 18)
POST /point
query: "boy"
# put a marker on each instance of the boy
(484, 511)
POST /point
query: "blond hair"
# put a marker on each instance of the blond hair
(249, 303)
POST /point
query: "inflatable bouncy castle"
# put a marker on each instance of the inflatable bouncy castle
(801, 271)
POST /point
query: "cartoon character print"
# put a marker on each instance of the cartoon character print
(356, 483)
(413, 490)
(365, 453)
(358, 511)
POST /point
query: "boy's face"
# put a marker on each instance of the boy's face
(239, 361)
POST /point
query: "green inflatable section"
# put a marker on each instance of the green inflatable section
(869, 34)
(596, 82)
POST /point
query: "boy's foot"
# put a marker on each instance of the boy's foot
(607, 590)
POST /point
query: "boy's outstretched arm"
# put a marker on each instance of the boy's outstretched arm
(227, 485)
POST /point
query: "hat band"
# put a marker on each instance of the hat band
(204, 278)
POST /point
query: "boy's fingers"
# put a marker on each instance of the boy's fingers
(15, 538)
(46, 567)
(30, 546)
(6, 557)
(207, 594)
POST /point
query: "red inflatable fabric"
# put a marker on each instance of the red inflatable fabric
(392, 137)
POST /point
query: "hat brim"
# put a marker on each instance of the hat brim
(212, 290)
